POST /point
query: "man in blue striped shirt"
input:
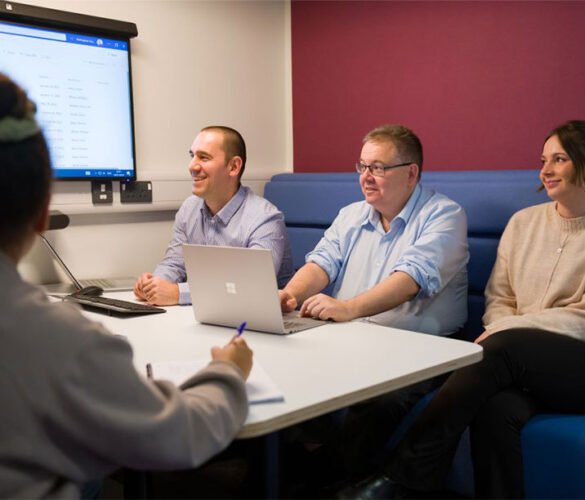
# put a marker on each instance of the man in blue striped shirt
(222, 212)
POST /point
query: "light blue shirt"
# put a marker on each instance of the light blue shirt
(427, 240)
(247, 220)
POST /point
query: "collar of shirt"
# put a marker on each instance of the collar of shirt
(374, 218)
(230, 208)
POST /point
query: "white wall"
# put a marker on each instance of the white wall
(194, 63)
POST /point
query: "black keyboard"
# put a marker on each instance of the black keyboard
(113, 305)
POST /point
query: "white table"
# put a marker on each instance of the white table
(318, 370)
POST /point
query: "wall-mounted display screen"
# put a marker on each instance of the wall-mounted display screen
(82, 87)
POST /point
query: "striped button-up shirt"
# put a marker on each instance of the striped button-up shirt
(247, 220)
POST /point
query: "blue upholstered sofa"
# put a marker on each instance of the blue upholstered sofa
(553, 445)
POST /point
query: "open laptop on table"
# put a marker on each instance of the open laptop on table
(106, 284)
(230, 285)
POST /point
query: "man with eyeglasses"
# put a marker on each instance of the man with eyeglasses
(398, 258)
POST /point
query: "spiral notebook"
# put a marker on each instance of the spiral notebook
(259, 386)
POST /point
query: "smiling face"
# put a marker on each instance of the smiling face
(215, 180)
(387, 194)
(558, 174)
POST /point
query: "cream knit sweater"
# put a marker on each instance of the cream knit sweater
(538, 280)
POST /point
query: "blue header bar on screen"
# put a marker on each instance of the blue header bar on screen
(58, 36)
(92, 173)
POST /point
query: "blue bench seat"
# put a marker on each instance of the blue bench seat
(553, 445)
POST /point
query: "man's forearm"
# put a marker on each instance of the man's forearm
(307, 281)
(396, 289)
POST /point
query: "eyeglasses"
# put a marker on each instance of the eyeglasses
(377, 170)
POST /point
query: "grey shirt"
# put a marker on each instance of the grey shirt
(74, 408)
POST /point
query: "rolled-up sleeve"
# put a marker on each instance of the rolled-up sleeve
(439, 250)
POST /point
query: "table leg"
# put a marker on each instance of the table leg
(271, 465)
(135, 484)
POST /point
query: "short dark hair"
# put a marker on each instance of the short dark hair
(405, 140)
(571, 135)
(25, 169)
(233, 143)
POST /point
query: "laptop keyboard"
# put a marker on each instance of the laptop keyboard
(113, 305)
(291, 324)
(102, 283)
(300, 324)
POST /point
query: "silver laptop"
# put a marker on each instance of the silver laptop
(230, 285)
(107, 284)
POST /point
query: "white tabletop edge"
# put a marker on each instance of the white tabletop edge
(256, 429)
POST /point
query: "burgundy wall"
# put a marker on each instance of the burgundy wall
(481, 83)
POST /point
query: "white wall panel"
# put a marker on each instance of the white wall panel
(194, 63)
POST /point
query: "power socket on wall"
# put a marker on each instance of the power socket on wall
(101, 192)
(135, 192)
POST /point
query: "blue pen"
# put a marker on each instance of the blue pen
(241, 329)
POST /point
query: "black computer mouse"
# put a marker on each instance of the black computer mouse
(91, 291)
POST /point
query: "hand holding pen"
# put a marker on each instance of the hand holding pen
(236, 351)
(241, 329)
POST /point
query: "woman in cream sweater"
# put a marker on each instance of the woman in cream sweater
(534, 339)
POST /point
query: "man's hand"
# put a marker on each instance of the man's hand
(237, 352)
(287, 302)
(156, 291)
(483, 336)
(140, 282)
(324, 307)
